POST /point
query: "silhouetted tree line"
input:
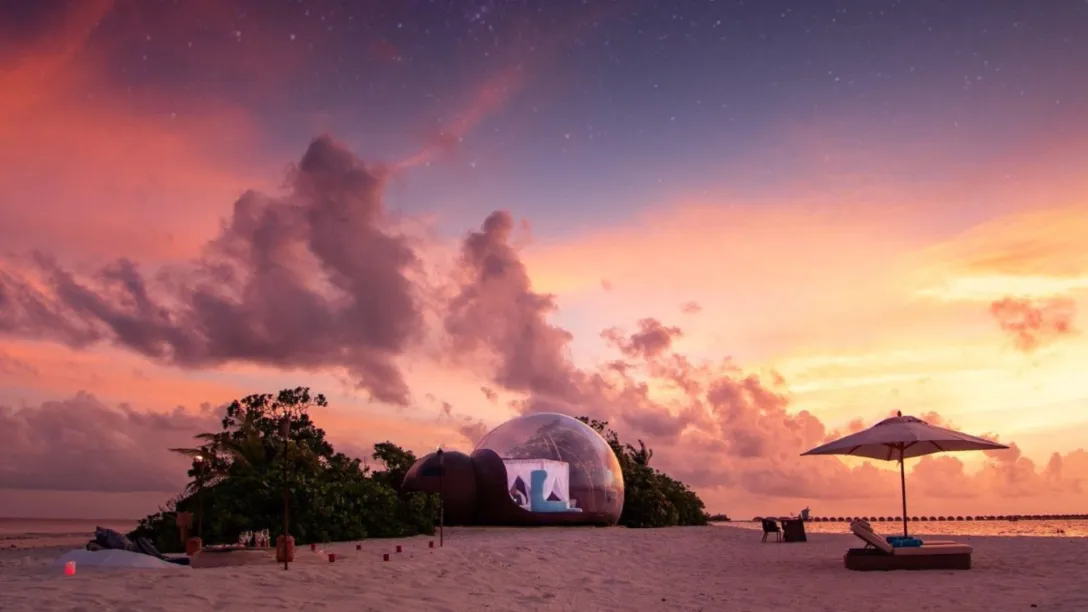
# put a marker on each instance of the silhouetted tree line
(239, 473)
(651, 497)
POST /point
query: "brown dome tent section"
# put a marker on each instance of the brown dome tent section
(539, 469)
(453, 476)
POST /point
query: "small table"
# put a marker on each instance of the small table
(793, 530)
(215, 557)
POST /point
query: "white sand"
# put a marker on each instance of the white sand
(707, 568)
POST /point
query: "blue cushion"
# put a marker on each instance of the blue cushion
(537, 503)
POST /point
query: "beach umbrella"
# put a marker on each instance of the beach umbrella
(902, 437)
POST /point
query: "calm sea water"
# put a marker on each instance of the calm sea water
(1058, 529)
(14, 529)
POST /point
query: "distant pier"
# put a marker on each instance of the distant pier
(980, 517)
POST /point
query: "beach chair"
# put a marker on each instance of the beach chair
(879, 555)
(864, 524)
(770, 526)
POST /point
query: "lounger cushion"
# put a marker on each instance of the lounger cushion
(946, 549)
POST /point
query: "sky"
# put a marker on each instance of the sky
(733, 229)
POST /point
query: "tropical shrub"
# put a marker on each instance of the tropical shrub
(238, 476)
(651, 497)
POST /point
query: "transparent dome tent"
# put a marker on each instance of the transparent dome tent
(579, 470)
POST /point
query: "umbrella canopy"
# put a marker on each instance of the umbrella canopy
(902, 437)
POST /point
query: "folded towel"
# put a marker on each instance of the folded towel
(901, 542)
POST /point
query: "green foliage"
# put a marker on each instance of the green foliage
(651, 498)
(238, 476)
(396, 461)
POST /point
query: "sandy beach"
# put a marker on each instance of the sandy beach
(699, 568)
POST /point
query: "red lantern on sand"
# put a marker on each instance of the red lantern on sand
(193, 546)
(285, 553)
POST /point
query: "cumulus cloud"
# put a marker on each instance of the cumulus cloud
(712, 424)
(470, 428)
(651, 339)
(1032, 323)
(80, 444)
(495, 308)
(473, 430)
(489, 393)
(310, 279)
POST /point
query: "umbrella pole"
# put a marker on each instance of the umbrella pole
(903, 490)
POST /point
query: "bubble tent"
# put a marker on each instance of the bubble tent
(594, 480)
(537, 469)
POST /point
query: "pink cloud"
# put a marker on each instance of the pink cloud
(80, 444)
(1032, 323)
(252, 296)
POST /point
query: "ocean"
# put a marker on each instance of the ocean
(1021, 528)
(21, 532)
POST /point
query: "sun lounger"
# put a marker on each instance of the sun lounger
(879, 554)
(928, 542)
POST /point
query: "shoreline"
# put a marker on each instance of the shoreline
(681, 568)
(70, 540)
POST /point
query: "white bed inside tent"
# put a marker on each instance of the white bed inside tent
(556, 484)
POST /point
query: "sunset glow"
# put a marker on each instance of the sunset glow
(441, 220)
